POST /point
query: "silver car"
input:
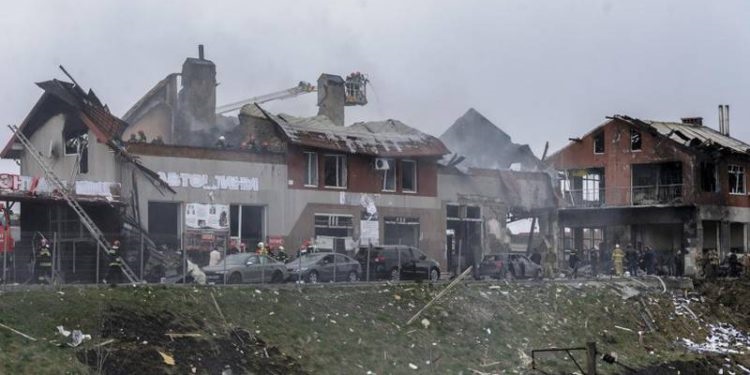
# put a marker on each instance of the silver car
(246, 268)
(313, 268)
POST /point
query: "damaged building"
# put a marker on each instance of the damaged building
(678, 187)
(487, 182)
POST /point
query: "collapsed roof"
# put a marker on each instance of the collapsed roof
(388, 138)
(481, 144)
(69, 98)
(691, 135)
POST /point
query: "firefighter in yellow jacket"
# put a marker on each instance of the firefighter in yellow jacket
(617, 257)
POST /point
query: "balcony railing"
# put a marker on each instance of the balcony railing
(625, 196)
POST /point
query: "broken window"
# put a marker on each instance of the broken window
(401, 231)
(409, 176)
(592, 237)
(599, 142)
(335, 171)
(389, 176)
(311, 169)
(635, 139)
(591, 186)
(709, 177)
(736, 179)
(738, 236)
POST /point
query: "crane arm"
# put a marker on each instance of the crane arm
(301, 88)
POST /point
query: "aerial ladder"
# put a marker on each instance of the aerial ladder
(301, 88)
(355, 86)
(57, 184)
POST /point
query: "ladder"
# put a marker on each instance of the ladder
(55, 182)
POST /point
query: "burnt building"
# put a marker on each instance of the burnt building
(678, 187)
(487, 182)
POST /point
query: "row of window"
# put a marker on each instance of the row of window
(335, 173)
(635, 141)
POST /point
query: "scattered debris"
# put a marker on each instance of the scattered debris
(17, 332)
(168, 359)
(76, 336)
(722, 339)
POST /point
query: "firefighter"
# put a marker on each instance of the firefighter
(43, 263)
(617, 257)
(281, 255)
(114, 273)
(261, 249)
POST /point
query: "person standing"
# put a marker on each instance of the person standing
(43, 263)
(114, 272)
(214, 257)
(649, 260)
(233, 249)
(617, 258)
(734, 264)
(261, 249)
(573, 262)
(631, 257)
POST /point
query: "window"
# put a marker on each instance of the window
(473, 212)
(635, 140)
(389, 176)
(409, 176)
(452, 212)
(736, 179)
(333, 225)
(335, 171)
(709, 177)
(163, 218)
(599, 143)
(78, 144)
(246, 223)
(311, 169)
(591, 187)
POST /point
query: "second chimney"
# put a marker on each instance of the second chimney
(331, 98)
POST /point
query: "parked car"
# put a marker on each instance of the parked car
(317, 267)
(520, 266)
(492, 266)
(246, 268)
(384, 263)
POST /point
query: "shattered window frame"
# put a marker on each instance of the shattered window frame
(599, 143)
(405, 173)
(736, 178)
(709, 177)
(339, 174)
(389, 177)
(636, 141)
(311, 169)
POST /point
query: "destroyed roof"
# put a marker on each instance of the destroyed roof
(62, 96)
(96, 116)
(483, 145)
(691, 135)
(389, 138)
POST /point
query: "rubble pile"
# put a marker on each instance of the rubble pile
(722, 339)
(164, 342)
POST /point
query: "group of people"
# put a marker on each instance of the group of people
(709, 264)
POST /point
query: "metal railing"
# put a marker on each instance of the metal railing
(625, 196)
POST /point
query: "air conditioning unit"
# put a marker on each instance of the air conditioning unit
(382, 164)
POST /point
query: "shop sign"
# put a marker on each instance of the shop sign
(206, 182)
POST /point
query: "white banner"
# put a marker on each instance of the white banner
(207, 216)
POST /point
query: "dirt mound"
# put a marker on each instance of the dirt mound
(145, 343)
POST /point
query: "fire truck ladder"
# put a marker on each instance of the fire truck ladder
(52, 179)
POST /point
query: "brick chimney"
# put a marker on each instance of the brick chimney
(331, 98)
(197, 98)
(692, 120)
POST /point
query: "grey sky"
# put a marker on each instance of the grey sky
(541, 70)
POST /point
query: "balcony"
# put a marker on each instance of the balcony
(626, 196)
